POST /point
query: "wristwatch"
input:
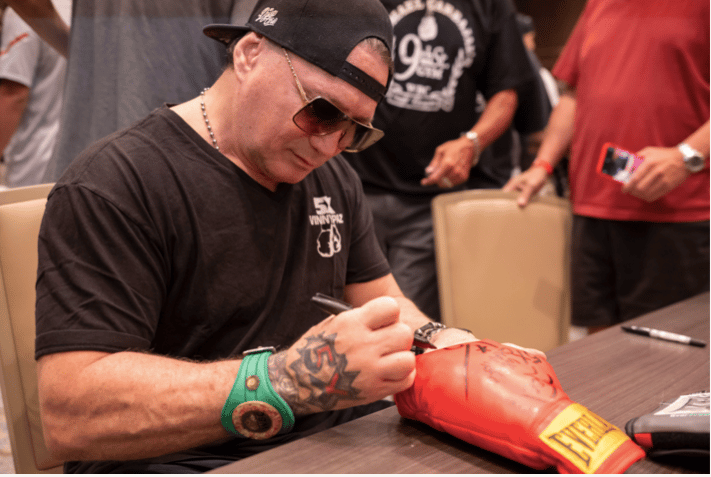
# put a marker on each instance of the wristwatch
(474, 138)
(253, 409)
(693, 159)
(424, 334)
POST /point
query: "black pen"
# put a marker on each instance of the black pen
(329, 304)
(664, 335)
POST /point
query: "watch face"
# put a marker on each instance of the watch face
(695, 163)
(256, 420)
(693, 160)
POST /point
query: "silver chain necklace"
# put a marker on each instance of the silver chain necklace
(207, 121)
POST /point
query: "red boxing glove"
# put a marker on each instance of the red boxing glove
(508, 401)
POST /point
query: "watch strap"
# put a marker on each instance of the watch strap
(544, 165)
(473, 136)
(253, 385)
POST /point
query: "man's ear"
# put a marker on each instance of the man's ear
(246, 52)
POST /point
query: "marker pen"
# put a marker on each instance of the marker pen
(663, 335)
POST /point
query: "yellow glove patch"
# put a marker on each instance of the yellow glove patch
(583, 437)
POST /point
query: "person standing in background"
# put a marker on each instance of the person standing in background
(31, 83)
(637, 76)
(527, 141)
(444, 53)
(510, 149)
(127, 58)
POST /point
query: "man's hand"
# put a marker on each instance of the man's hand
(661, 171)
(355, 357)
(528, 183)
(451, 163)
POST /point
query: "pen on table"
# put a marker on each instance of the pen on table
(663, 335)
(335, 306)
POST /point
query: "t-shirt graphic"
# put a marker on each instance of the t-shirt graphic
(434, 43)
(329, 240)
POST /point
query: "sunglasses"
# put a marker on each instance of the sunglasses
(319, 117)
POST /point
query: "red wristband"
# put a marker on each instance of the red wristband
(545, 165)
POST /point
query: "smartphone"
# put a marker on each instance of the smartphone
(618, 163)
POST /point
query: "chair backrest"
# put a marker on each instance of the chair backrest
(19, 229)
(20, 194)
(503, 270)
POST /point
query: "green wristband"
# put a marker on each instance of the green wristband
(253, 409)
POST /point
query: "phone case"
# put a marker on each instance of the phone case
(616, 163)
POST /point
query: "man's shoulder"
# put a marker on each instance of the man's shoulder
(125, 153)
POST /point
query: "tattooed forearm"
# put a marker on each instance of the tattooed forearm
(283, 383)
(313, 378)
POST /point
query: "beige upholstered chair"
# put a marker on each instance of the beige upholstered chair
(19, 228)
(503, 271)
(19, 194)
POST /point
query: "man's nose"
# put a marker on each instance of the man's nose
(330, 144)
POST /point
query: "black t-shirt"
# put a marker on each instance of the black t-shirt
(444, 53)
(155, 241)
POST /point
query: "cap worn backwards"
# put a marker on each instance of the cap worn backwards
(323, 32)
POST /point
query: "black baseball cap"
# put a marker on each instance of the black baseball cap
(323, 32)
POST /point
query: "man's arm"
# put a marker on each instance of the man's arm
(454, 159)
(556, 140)
(13, 100)
(663, 168)
(129, 405)
(45, 20)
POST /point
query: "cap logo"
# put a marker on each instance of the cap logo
(267, 16)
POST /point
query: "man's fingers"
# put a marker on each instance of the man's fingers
(525, 195)
(380, 312)
(398, 367)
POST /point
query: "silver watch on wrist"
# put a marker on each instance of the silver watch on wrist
(693, 159)
(474, 138)
(424, 334)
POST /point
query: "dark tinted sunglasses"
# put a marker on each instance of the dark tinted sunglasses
(320, 117)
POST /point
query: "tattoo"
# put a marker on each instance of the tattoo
(317, 379)
(282, 381)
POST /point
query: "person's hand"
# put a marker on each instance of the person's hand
(451, 164)
(355, 357)
(661, 171)
(528, 183)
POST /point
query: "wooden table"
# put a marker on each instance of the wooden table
(615, 374)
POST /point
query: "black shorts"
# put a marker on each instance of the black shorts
(622, 269)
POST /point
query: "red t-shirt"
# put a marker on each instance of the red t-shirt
(641, 73)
